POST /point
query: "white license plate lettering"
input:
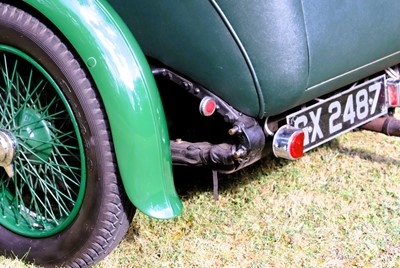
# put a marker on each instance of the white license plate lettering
(316, 130)
(301, 122)
(340, 113)
(335, 111)
(362, 104)
(349, 114)
(376, 90)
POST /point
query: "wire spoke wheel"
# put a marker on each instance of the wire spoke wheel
(45, 192)
(62, 202)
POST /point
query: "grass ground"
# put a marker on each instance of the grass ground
(339, 206)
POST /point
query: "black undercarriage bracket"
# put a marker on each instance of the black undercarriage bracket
(225, 158)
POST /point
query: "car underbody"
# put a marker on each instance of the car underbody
(227, 140)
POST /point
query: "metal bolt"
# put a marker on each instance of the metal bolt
(239, 153)
(186, 85)
(234, 130)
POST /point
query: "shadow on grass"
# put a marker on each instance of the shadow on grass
(191, 181)
(361, 153)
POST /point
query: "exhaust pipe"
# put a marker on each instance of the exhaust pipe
(387, 125)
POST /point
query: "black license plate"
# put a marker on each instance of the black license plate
(341, 113)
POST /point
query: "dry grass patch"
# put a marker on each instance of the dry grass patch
(339, 206)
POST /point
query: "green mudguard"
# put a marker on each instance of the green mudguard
(130, 96)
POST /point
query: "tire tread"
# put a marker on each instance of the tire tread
(117, 212)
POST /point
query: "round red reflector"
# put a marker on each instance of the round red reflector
(297, 145)
(288, 142)
(207, 106)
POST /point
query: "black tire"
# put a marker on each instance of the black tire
(105, 212)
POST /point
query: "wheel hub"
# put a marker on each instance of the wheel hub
(35, 134)
(41, 149)
(8, 147)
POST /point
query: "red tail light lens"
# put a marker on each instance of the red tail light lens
(393, 88)
(392, 95)
(297, 145)
(288, 143)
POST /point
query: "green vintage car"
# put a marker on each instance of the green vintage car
(100, 97)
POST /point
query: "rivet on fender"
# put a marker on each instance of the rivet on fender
(91, 62)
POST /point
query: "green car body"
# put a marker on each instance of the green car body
(264, 57)
(129, 93)
(266, 69)
(263, 60)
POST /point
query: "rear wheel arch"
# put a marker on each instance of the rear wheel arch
(49, 69)
(140, 135)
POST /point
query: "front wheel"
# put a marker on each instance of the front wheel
(62, 202)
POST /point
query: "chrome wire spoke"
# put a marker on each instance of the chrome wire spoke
(71, 192)
(29, 95)
(45, 186)
(42, 196)
(57, 156)
(36, 201)
(8, 87)
(74, 179)
(53, 142)
(69, 150)
(19, 186)
(44, 118)
(53, 166)
(60, 141)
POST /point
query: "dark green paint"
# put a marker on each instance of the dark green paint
(130, 96)
(37, 133)
(298, 50)
(274, 36)
(191, 37)
(345, 35)
(349, 40)
(304, 49)
(262, 57)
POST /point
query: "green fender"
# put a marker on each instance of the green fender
(130, 96)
